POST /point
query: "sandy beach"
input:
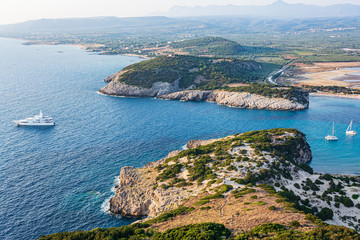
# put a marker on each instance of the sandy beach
(352, 96)
(329, 74)
(331, 78)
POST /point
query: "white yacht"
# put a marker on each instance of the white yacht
(349, 130)
(332, 137)
(37, 120)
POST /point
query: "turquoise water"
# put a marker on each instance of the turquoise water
(58, 178)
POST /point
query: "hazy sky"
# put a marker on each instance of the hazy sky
(12, 11)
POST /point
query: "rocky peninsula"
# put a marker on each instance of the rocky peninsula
(164, 79)
(238, 181)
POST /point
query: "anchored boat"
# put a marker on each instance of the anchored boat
(332, 137)
(349, 130)
(37, 120)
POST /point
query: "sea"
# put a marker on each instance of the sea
(60, 178)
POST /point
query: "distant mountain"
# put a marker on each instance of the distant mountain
(277, 10)
(166, 28)
(102, 24)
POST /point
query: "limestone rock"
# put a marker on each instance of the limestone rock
(236, 99)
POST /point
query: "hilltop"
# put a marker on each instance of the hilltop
(248, 186)
(191, 71)
(216, 46)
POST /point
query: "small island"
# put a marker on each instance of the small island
(226, 81)
(247, 186)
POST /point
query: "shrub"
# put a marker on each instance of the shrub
(317, 181)
(169, 215)
(213, 196)
(326, 177)
(169, 172)
(325, 214)
(213, 231)
(254, 197)
(205, 208)
(272, 208)
(231, 168)
(294, 224)
(355, 196)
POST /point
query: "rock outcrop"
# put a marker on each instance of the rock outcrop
(117, 88)
(237, 99)
(138, 194)
(169, 91)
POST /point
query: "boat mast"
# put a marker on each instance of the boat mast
(350, 126)
(333, 130)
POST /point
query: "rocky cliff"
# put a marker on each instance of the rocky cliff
(237, 99)
(163, 185)
(138, 194)
(169, 91)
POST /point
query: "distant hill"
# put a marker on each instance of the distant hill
(166, 28)
(217, 46)
(277, 10)
(101, 24)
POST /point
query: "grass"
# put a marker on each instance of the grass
(260, 203)
(201, 202)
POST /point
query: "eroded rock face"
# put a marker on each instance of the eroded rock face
(236, 99)
(137, 195)
(171, 91)
(117, 88)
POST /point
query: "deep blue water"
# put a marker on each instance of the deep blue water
(58, 178)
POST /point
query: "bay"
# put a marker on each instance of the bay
(60, 178)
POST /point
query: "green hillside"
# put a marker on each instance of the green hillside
(217, 46)
(197, 71)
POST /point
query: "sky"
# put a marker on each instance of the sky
(13, 11)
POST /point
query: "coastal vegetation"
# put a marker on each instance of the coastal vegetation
(138, 231)
(213, 231)
(195, 71)
(331, 89)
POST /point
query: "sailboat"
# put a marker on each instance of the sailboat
(332, 137)
(349, 131)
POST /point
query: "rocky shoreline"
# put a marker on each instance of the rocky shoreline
(236, 99)
(163, 90)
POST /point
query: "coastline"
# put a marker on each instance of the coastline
(335, 95)
(78, 45)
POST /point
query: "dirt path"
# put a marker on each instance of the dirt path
(221, 209)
